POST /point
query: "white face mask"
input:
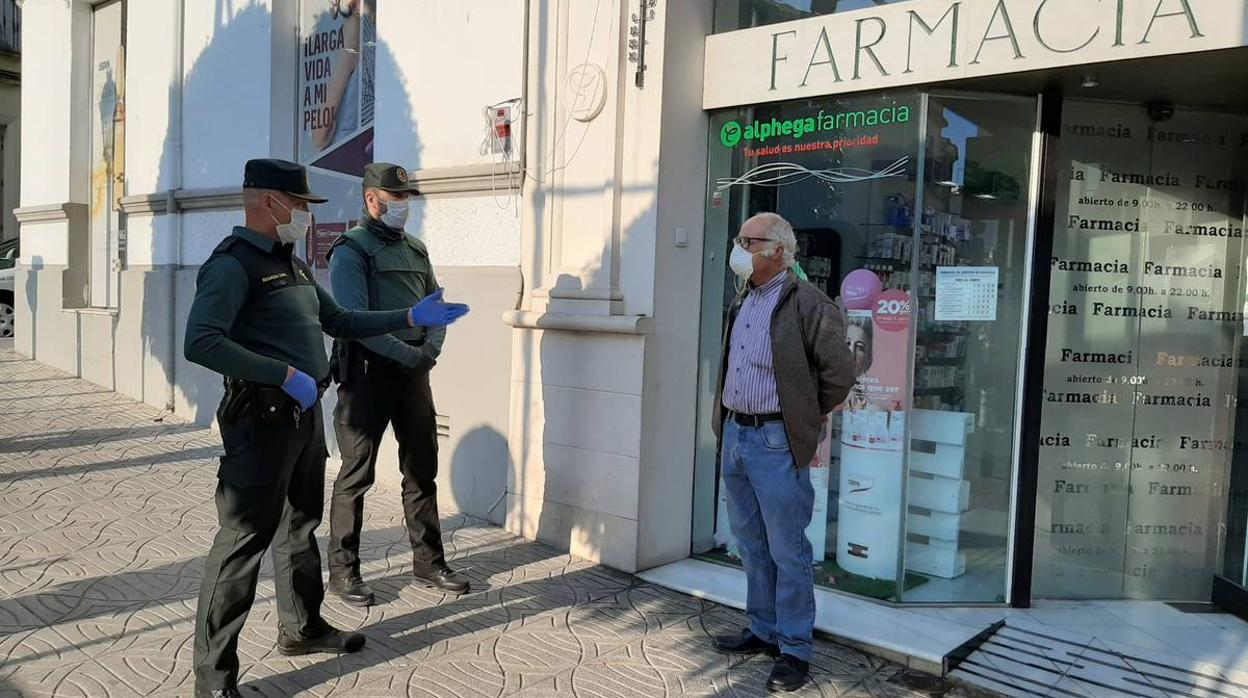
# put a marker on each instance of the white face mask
(396, 214)
(741, 262)
(298, 226)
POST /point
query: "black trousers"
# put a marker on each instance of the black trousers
(375, 396)
(270, 490)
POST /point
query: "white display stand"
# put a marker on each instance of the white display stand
(869, 507)
(938, 495)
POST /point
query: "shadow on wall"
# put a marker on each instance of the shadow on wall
(198, 391)
(479, 479)
(31, 303)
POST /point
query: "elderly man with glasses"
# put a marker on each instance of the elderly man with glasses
(784, 367)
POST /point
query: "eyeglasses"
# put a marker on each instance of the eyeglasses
(746, 243)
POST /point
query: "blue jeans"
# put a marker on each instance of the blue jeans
(769, 507)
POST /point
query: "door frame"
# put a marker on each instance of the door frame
(1027, 471)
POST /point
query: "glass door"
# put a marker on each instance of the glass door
(913, 211)
(1145, 339)
(970, 291)
(107, 150)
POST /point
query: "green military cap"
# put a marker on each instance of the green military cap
(389, 177)
(280, 175)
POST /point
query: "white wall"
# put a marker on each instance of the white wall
(228, 90)
(471, 231)
(151, 41)
(48, 110)
(449, 60)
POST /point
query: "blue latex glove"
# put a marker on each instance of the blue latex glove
(302, 388)
(432, 312)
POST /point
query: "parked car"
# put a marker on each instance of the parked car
(8, 260)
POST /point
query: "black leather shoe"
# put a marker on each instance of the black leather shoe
(745, 643)
(443, 578)
(789, 674)
(353, 590)
(217, 692)
(327, 639)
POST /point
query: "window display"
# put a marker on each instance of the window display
(918, 459)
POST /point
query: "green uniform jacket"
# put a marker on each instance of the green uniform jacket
(397, 273)
(253, 328)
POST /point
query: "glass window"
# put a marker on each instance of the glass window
(107, 152)
(970, 285)
(842, 171)
(1144, 352)
(882, 226)
(731, 15)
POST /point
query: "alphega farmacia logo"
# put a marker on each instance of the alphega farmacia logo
(733, 132)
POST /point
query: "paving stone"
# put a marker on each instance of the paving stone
(106, 511)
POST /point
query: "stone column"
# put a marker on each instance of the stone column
(585, 344)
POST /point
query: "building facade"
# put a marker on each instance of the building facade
(1032, 211)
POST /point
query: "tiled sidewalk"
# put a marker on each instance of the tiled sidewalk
(106, 513)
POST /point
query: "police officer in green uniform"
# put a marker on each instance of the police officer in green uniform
(384, 381)
(258, 319)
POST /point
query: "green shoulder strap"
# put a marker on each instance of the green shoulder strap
(350, 240)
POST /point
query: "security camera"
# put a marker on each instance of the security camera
(1160, 111)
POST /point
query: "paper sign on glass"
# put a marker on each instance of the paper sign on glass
(966, 293)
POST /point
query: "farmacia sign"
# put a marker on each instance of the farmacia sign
(923, 41)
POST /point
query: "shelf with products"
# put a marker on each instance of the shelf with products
(941, 360)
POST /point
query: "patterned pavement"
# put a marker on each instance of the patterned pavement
(106, 512)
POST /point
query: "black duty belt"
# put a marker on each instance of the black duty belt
(755, 420)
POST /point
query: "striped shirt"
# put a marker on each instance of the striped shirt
(750, 386)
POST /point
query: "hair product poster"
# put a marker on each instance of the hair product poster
(872, 435)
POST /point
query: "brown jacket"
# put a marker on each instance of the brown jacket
(814, 369)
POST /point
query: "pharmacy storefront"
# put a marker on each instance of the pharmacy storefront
(1033, 212)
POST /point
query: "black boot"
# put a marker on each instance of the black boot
(443, 578)
(789, 674)
(230, 692)
(326, 638)
(352, 589)
(745, 643)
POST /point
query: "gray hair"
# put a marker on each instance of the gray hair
(781, 231)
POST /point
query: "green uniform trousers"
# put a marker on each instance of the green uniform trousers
(270, 490)
(372, 399)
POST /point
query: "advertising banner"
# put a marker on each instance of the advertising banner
(336, 77)
(872, 436)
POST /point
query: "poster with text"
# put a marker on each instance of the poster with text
(873, 427)
(335, 107)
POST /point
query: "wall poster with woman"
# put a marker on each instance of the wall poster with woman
(337, 64)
